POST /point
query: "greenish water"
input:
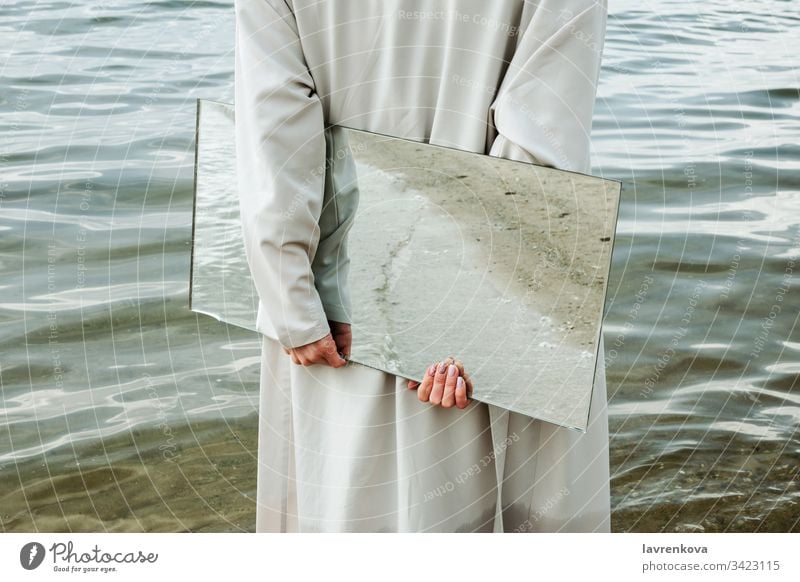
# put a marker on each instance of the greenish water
(123, 411)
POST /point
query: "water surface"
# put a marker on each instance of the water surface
(123, 411)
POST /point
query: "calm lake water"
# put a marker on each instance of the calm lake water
(123, 411)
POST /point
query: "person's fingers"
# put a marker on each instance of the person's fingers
(342, 335)
(330, 355)
(467, 384)
(322, 351)
(461, 371)
(461, 393)
(444, 370)
(449, 396)
(439, 376)
(343, 344)
(445, 383)
(424, 390)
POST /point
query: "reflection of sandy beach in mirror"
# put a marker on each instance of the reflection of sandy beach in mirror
(489, 259)
(500, 263)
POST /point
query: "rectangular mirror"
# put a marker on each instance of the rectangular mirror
(502, 263)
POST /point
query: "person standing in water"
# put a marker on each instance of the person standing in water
(349, 448)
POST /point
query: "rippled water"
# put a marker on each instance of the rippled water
(111, 386)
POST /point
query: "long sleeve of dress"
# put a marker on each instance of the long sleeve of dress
(543, 109)
(281, 152)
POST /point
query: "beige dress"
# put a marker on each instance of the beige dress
(352, 449)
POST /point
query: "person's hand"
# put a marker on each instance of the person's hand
(328, 351)
(445, 384)
(342, 335)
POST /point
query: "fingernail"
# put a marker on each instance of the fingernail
(460, 382)
(442, 367)
(431, 369)
(451, 371)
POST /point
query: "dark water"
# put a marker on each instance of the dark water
(121, 410)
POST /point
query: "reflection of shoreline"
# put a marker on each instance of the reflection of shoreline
(438, 247)
(381, 261)
(520, 221)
